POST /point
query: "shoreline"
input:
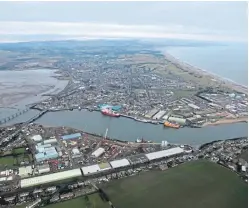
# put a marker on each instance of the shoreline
(226, 121)
(37, 93)
(196, 69)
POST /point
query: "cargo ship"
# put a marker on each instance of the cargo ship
(171, 125)
(109, 112)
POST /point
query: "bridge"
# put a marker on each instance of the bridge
(11, 137)
(11, 117)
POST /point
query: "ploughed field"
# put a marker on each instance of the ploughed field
(191, 185)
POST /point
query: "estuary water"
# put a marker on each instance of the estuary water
(129, 130)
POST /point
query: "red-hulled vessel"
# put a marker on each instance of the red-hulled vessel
(109, 112)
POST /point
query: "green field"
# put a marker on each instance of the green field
(194, 185)
(244, 155)
(199, 184)
(8, 160)
(18, 151)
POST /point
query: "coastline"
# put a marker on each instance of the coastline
(193, 68)
(226, 121)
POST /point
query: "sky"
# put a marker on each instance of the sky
(220, 21)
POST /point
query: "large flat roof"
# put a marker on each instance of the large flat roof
(71, 136)
(104, 166)
(141, 158)
(119, 163)
(88, 170)
(50, 178)
(164, 153)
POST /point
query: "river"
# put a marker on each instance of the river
(129, 130)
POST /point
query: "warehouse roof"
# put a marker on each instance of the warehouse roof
(25, 171)
(104, 166)
(71, 136)
(119, 163)
(98, 152)
(141, 158)
(50, 178)
(36, 138)
(88, 170)
(164, 153)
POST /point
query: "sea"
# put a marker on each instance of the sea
(229, 60)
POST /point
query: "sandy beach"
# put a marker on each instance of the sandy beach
(222, 80)
(227, 121)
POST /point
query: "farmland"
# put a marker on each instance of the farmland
(196, 184)
(191, 185)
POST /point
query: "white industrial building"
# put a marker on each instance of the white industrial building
(36, 138)
(120, 163)
(164, 153)
(43, 168)
(75, 151)
(3, 179)
(191, 105)
(88, 170)
(98, 152)
(50, 178)
(159, 115)
(180, 121)
(50, 141)
(25, 171)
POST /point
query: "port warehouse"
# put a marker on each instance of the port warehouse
(45, 149)
(102, 168)
(71, 136)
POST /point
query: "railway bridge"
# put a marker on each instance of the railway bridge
(18, 113)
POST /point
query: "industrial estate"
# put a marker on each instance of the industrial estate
(60, 163)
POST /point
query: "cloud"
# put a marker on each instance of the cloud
(102, 30)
